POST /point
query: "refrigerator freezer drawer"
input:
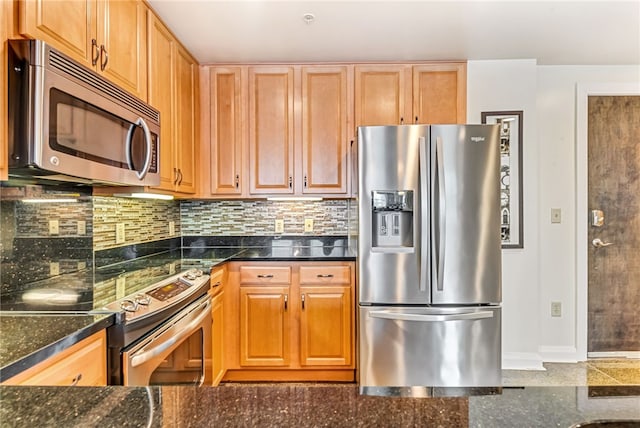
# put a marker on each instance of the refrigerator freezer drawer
(451, 347)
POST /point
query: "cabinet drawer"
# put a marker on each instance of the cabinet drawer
(84, 364)
(265, 275)
(325, 275)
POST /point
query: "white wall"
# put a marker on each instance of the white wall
(545, 270)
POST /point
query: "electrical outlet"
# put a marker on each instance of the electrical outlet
(308, 225)
(172, 268)
(556, 215)
(279, 226)
(120, 287)
(54, 269)
(172, 228)
(81, 227)
(54, 227)
(82, 265)
(556, 309)
(119, 233)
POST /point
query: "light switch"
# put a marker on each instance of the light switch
(120, 233)
(54, 227)
(308, 225)
(279, 226)
(556, 215)
(81, 227)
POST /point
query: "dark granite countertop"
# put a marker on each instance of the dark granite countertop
(302, 405)
(29, 338)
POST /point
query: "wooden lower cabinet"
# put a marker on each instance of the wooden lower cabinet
(290, 321)
(83, 364)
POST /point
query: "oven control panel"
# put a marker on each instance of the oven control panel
(161, 295)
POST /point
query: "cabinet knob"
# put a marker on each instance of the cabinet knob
(237, 181)
(305, 181)
(76, 379)
(303, 301)
(416, 119)
(286, 300)
(95, 52)
(290, 182)
(104, 57)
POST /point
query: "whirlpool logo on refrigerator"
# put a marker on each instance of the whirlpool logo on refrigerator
(477, 139)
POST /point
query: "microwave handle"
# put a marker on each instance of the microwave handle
(147, 136)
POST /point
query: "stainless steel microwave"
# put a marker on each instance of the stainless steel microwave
(68, 123)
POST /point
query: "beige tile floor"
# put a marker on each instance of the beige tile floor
(594, 372)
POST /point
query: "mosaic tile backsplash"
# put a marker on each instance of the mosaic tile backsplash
(251, 218)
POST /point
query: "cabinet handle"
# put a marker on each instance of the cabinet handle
(416, 119)
(303, 301)
(305, 181)
(175, 173)
(286, 300)
(402, 121)
(217, 284)
(95, 52)
(237, 181)
(328, 275)
(268, 275)
(104, 58)
(290, 182)
(180, 176)
(76, 379)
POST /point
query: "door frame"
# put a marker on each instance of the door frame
(583, 92)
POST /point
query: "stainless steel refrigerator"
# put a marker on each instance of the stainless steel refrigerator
(429, 257)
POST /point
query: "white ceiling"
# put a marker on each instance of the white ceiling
(552, 32)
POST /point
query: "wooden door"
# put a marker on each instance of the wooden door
(382, 95)
(185, 119)
(227, 125)
(217, 333)
(123, 32)
(325, 326)
(326, 115)
(161, 45)
(264, 326)
(439, 93)
(68, 25)
(271, 129)
(614, 188)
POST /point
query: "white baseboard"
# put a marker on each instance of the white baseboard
(521, 361)
(559, 354)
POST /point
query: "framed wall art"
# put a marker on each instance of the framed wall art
(510, 175)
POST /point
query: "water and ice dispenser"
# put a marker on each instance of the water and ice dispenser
(392, 223)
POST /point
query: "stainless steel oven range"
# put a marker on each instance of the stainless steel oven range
(164, 337)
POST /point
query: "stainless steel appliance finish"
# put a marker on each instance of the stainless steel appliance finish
(440, 185)
(68, 123)
(169, 318)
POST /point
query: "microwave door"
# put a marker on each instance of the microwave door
(139, 152)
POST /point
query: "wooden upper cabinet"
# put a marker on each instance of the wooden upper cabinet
(439, 93)
(326, 135)
(227, 130)
(69, 25)
(161, 45)
(382, 95)
(122, 29)
(271, 130)
(186, 77)
(108, 36)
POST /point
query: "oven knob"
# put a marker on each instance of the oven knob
(128, 305)
(143, 299)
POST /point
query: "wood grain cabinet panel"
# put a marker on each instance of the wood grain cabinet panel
(382, 95)
(325, 275)
(186, 76)
(439, 93)
(326, 115)
(265, 275)
(83, 364)
(264, 326)
(271, 130)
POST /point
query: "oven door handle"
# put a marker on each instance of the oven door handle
(143, 357)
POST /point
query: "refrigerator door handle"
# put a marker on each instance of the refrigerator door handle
(424, 210)
(431, 318)
(438, 219)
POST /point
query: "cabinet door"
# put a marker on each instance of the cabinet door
(161, 87)
(325, 326)
(6, 31)
(439, 93)
(264, 326)
(186, 70)
(326, 114)
(217, 332)
(121, 29)
(68, 25)
(227, 124)
(271, 132)
(382, 95)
